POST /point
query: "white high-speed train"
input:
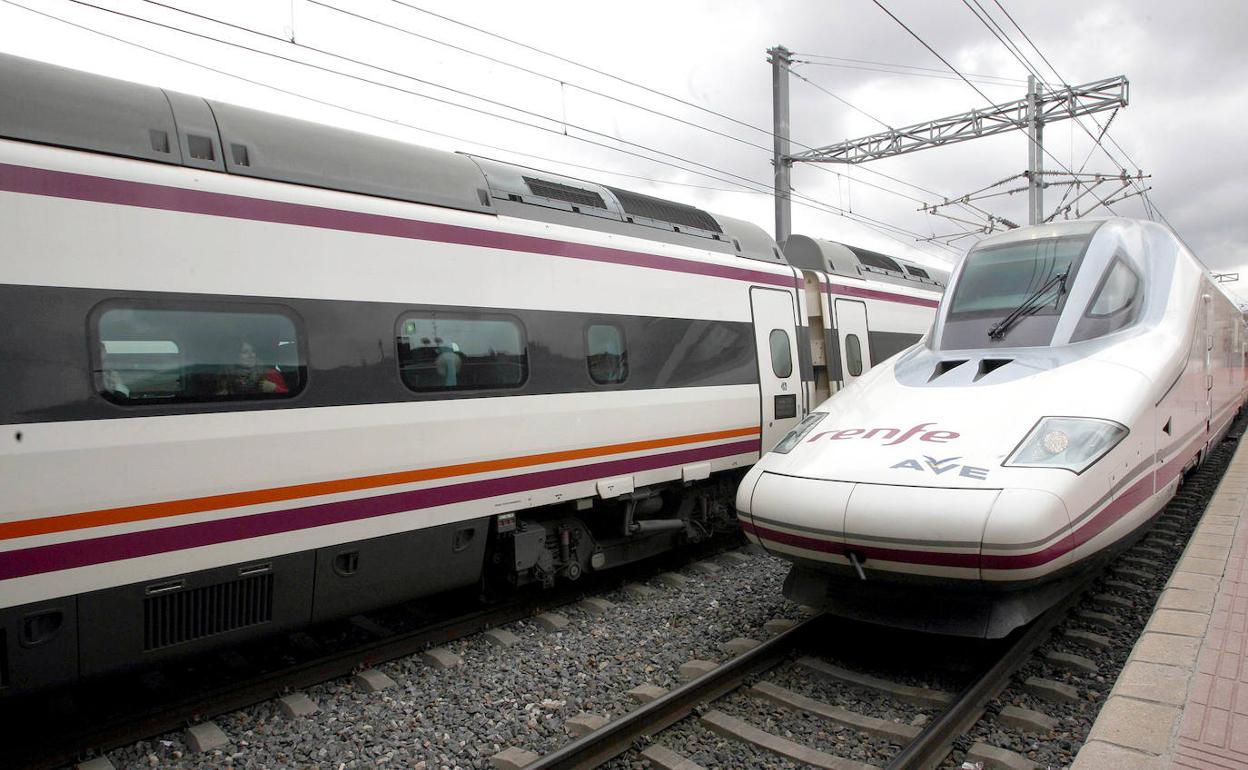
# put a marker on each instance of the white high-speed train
(1073, 372)
(261, 373)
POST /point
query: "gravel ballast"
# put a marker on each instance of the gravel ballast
(518, 695)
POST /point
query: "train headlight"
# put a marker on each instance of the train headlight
(1055, 441)
(798, 432)
(1073, 443)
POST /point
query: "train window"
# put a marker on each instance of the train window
(781, 356)
(445, 352)
(1116, 292)
(853, 355)
(605, 354)
(997, 279)
(161, 354)
(1114, 305)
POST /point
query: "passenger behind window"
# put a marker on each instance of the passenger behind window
(448, 362)
(111, 379)
(248, 377)
(113, 383)
(608, 361)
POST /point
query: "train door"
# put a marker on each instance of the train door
(1209, 329)
(851, 329)
(779, 379)
(818, 321)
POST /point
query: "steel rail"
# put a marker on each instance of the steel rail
(619, 735)
(931, 746)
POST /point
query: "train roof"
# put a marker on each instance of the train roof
(818, 254)
(54, 105)
(1038, 232)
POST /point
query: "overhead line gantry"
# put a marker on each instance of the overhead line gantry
(1030, 114)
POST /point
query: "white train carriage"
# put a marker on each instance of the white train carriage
(1073, 372)
(263, 373)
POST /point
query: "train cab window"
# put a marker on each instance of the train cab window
(162, 355)
(443, 352)
(1115, 304)
(997, 279)
(853, 355)
(605, 354)
(1117, 291)
(1014, 292)
(781, 356)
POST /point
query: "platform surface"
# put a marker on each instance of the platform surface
(1182, 699)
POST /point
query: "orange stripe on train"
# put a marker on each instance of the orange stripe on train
(148, 511)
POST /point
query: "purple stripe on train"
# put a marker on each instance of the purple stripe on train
(887, 296)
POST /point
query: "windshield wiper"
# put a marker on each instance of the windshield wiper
(1028, 306)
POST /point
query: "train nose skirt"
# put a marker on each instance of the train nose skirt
(917, 530)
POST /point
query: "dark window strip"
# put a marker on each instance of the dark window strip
(350, 353)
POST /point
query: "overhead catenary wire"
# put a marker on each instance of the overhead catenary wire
(749, 185)
(995, 30)
(327, 103)
(619, 100)
(889, 66)
(616, 99)
(955, 70)
(999, 33)
(1002, 36)
(651, 90)
(529, 70)
(563, 122)
(855, 215)
(931, 75)
(423, 81)
(1148, 204)
(849, 179)
(848, 104)
(587, 67)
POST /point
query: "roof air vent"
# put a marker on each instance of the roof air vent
(877, 260)
(563, 192)
(665, 211)
(160, 140)
(200, 146)
(989, 365)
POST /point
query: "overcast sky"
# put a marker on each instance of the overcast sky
(1186, 63)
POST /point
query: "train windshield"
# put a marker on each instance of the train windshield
(997, 280)
(1013, 294)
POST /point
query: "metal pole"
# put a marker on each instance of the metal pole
(1035, 154)
(780, 61)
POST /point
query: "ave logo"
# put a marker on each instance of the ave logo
(942, 466)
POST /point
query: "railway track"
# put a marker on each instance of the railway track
(1041, 665)
(764, 675)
